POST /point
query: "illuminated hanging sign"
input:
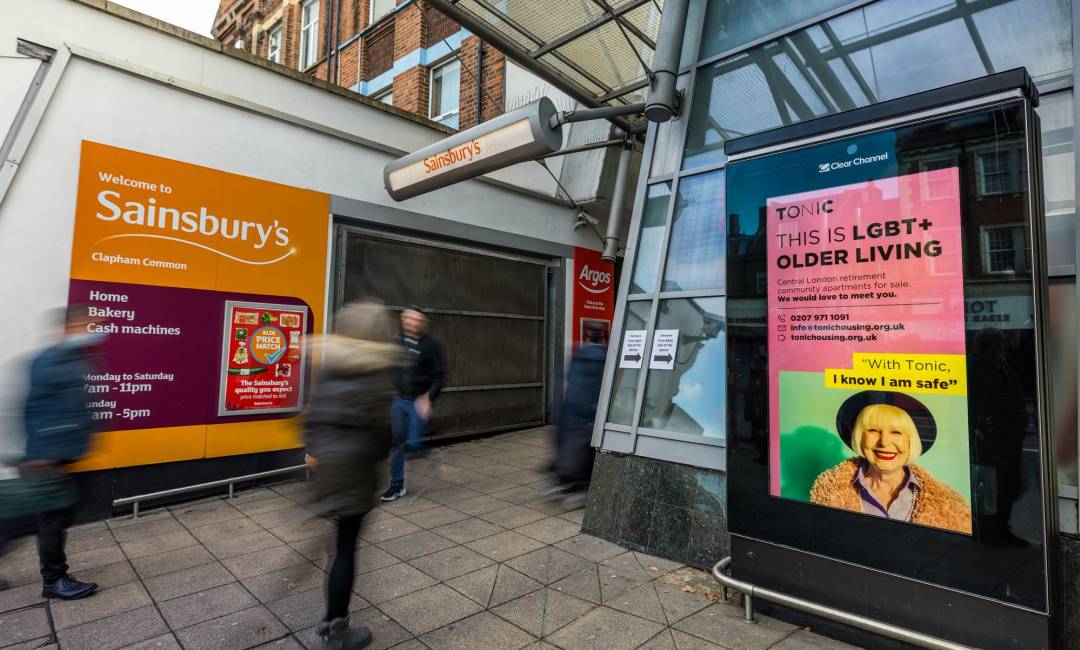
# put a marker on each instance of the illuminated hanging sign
(515, 137)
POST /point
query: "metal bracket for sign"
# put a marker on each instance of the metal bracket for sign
(751, 591)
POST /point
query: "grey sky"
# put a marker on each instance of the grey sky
(193, 15)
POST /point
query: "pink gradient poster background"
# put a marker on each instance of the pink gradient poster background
(873, 267)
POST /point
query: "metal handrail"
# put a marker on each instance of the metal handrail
(751, 591)
(204, 486)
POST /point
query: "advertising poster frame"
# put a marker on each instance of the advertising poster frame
(944, 578)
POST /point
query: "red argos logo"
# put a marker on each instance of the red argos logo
(594, 281)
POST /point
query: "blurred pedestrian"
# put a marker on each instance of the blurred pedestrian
(347, 434)
(574, 453)
(59, 428)
(418, 382)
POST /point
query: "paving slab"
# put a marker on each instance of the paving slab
(163, 642)
(303, 610)
(290, 514)
(373, 558)
(505, 546)
(621, 574)
(283, 582)
(549, 564)
(147, 529)
(266, 505)
(104, 603)
(385, 633)
(178, 560)
(550, 530)
(591, 548)
(409, 504)
(119, 631)
(205, 514)
(477, 585)
(304, 529)
(541, 613)
(584, 584)
(429, 609)
(512, 517)
(434, 517)
(451, 563)
(225, 530)
(510, 584)
(24, 625)
(236, 631)
(95, 558)
(205, 605)
(391, 582)
(188, 581)
(414, 545)
(87, 539)
(482, 630)
(606, 629)
(806, 640)
(722, 623)
(641, 601)
(20, 597)
(147, 546)
(386, 529)
(227, 547)
(468, 530)
(108, 576)
(260, 562)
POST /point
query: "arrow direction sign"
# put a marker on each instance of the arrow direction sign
(664, 348)
(633, 349)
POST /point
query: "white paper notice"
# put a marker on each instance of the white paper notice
(665, 344)
(633, 349)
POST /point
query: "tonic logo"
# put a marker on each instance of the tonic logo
(597, 281)
(796, 210)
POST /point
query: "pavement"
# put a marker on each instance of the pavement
(474, 557)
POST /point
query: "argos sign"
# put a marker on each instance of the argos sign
(594, 297)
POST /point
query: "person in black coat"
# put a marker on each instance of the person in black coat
(347, 434)
(59, 430)
(574, 452)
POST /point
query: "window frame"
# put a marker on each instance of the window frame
(372, 18)
(309, 35)
(435, 67)
(273, 38)
(1022, 253)
(381, 95)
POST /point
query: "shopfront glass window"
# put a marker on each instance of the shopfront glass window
(731, 23)
(881, 51)
(651, 238)
(1063, 377)
(696, 253)
(1059, 177)
(624, 386)
(688, 394)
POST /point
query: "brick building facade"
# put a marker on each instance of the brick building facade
(403, 52)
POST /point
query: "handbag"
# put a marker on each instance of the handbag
(34, 492)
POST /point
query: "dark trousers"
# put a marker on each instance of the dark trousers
(51, 529)
(339, 584)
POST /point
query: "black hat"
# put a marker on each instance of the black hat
(920, 415)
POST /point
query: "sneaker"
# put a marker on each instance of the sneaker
(337, 635)
(393, 493)
(68, 588)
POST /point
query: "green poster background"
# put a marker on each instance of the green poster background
(809, 444)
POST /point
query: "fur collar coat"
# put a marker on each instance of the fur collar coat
(936, 504)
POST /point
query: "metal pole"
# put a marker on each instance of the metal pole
(231, 490)
(622, 175)
(586, 114)
(748, 609)
(750, 590)
(662, 102)
(135, 511)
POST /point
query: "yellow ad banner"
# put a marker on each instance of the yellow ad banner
(938, 374)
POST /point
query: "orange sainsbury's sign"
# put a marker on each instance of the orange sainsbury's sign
(161, 251)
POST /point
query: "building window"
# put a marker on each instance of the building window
(1001, 172)
(385, 96)
(273, 49)
(239, 44)
(937, 186)
(1004, 249)
(445, 91)
(379, 8)
(309, 34)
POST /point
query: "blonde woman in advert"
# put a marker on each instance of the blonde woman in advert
(888, 432)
